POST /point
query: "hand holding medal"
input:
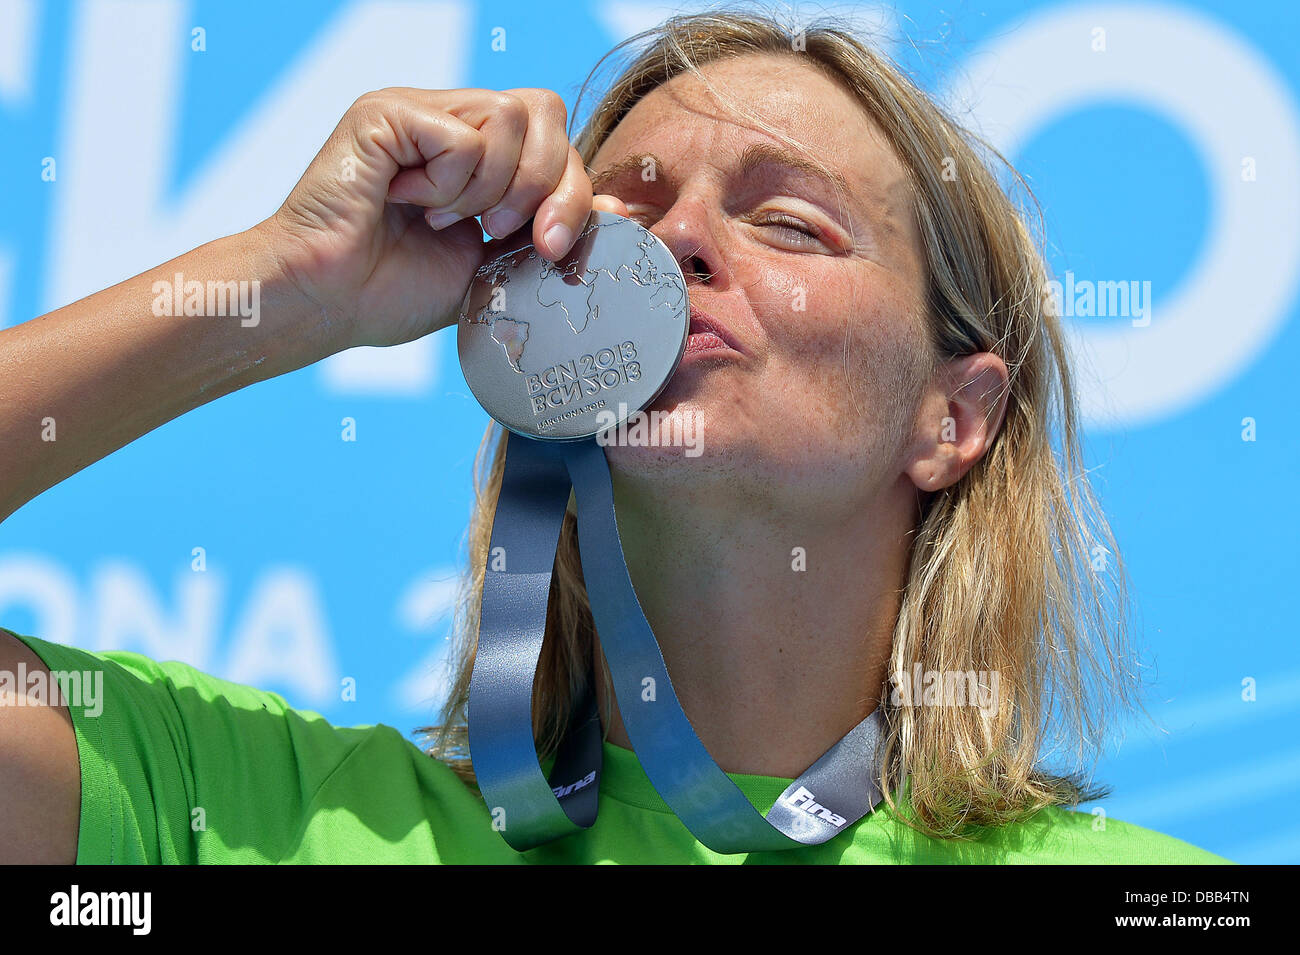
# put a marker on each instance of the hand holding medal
(546, 345)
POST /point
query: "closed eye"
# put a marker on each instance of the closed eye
(792, 230)
(795, 230)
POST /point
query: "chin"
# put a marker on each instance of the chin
(686, 441)
(658, 438)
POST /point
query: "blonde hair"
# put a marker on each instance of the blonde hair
(1013, 569)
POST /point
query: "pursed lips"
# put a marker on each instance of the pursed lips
(702, 323)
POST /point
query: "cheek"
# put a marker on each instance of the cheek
(844, 335)
(845, 357)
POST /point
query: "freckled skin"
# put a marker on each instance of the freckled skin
(814, 407)
(807, 437)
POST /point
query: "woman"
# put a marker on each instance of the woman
(878, 507)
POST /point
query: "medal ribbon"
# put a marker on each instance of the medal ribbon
(836, 791)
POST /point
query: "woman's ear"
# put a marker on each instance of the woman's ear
(959, 416)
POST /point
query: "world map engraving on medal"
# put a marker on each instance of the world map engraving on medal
(578, 293)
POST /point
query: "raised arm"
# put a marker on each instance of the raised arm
(376, 245)
(84, 380)
(361, 253)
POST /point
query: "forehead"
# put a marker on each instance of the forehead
(691, 121)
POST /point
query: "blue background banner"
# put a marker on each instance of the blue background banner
(1163, 141)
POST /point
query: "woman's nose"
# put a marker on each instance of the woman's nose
(690, 232)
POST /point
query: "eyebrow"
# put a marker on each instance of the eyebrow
(764, 154)
(752, 160)
(634, 163)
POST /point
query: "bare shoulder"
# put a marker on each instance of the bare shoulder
(40, 771)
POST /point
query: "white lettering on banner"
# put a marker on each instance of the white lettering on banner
(135, 99)
(28, 580)
(805, 801)
(129, 614)
(282, 637)
(1028, 77)
(424, 610)
(18, 48)
(279, 636)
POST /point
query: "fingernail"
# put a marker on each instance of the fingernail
(441, 220)
(558, 238)
(502, 222)
(401, 202)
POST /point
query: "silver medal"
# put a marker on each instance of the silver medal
(562, 351)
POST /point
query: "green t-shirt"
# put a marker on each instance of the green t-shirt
(181, 767)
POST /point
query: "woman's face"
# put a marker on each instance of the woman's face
(817, 279)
